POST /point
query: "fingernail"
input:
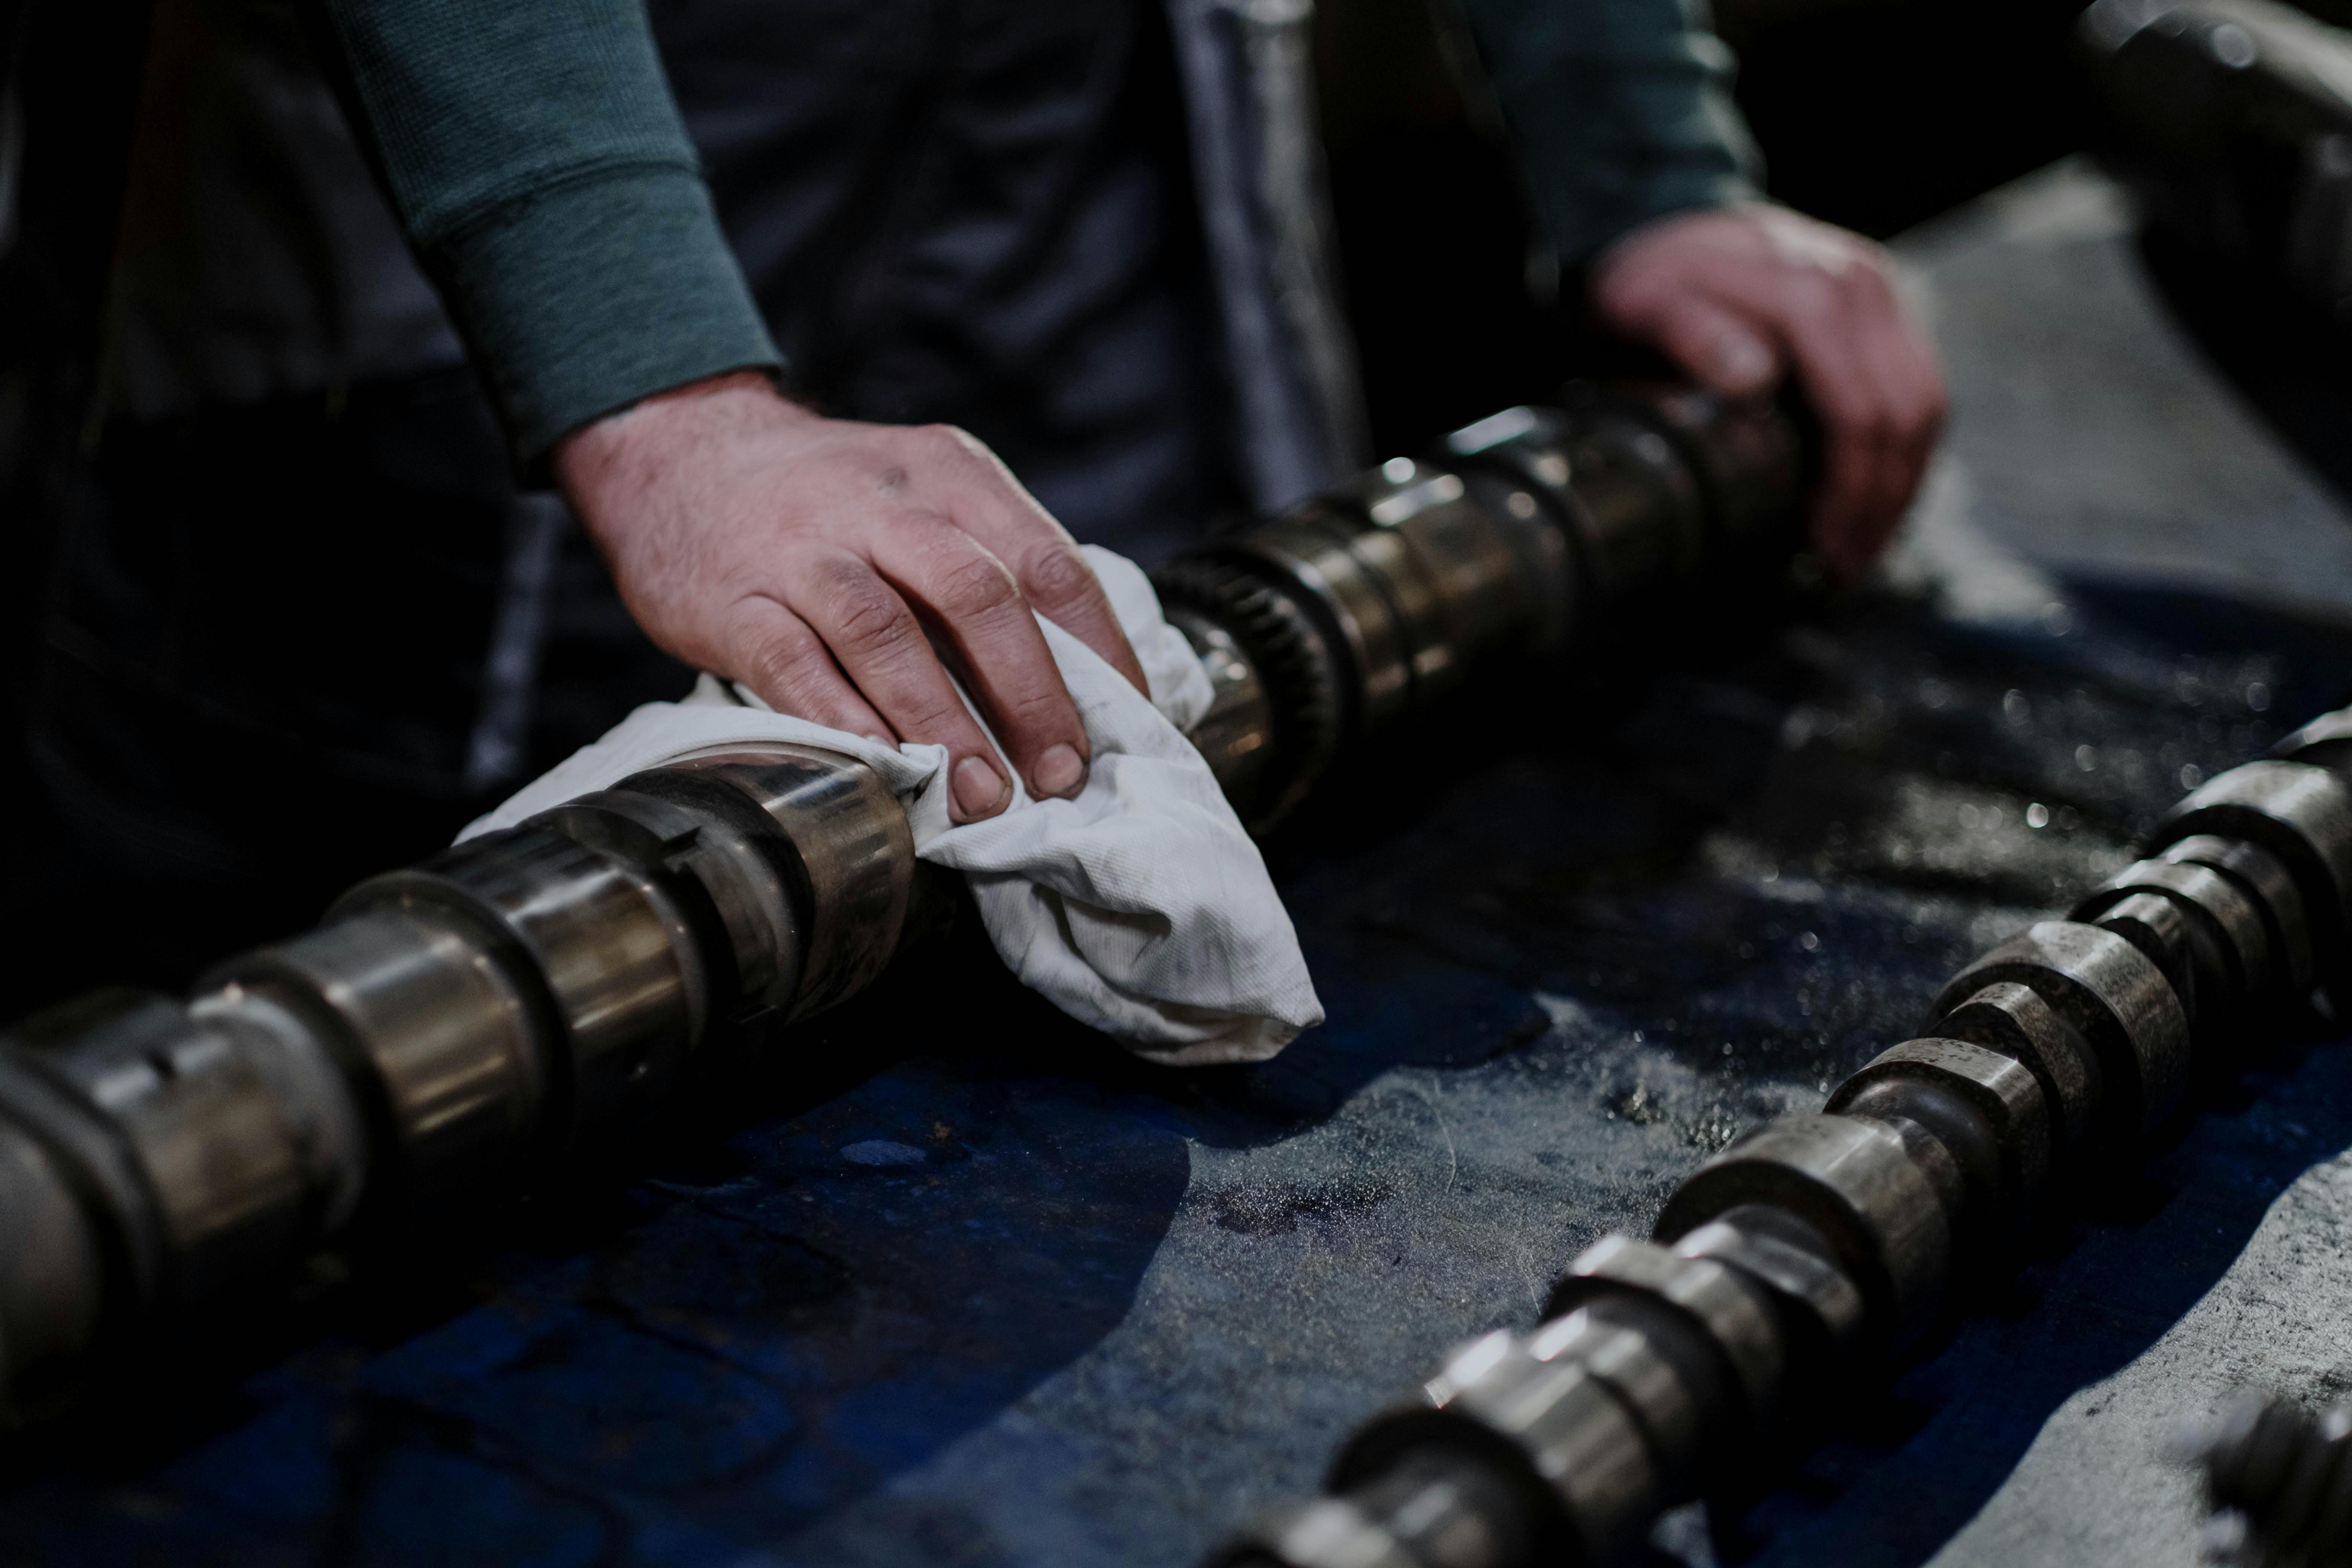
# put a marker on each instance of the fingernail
(980, 789)
(1058, 772)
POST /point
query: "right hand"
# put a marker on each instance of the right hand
(1739, 296)
(817, 560)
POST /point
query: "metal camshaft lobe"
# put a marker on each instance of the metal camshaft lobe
(1819, 1248)
(527, 1000)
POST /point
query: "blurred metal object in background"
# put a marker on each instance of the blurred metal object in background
(2277, 1481)
(2233, 122)
(524, 1002)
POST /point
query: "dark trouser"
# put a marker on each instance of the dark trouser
(285, 648)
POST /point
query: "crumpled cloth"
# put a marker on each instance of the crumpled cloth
(1141, 909)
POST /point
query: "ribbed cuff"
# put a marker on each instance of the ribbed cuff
(587, 297)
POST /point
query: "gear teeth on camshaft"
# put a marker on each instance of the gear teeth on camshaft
(1294, 659)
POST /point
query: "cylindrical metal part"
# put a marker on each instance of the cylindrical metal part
(1626, 481)
(724, 864)
(229, 1174)
(96, 1158)
(2229, 119)
(446, 1041)
(854, 852)
(1462, 557)
(1660, 1369)
(1748, 458)
(1265, 765)
(1988, 1111)
(2267, 884)
(1516, 463)
(1726, 1318)
(1816, 1305)
(2286, 1474)
(2302, 814)
(2167, 938)
(609, 954)
(1433, 1508)
(2325, 741)
(2014, 1021)
(1855, 1182)
(2116, 999)
(1311, 553)
(53, 1276)
(1236, 736)
(2232, 949)
(1554, 1421)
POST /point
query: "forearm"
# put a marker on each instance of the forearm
(1621, 109)
(540, 166)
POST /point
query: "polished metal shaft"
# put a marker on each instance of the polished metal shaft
(527, 1000)
(1810, 1254)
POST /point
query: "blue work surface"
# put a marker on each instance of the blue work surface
(953, 1283)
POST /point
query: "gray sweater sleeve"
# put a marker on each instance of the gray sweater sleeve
(541, 168)
(1621, 109)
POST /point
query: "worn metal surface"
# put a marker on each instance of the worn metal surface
(1010, 1298)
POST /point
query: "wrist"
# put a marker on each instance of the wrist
(659, 427)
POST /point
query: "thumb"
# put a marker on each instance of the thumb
(1718, 347)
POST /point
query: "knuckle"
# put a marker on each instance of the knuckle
(941, 443)
(1817, 294)
(779, 662)
(866, 616)
(927, 711)
(1042, 709)
(1057, 575)
(975, 587)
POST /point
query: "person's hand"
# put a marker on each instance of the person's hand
(827, 566)
(1739, 295)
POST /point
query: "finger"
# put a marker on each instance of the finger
(964, 590)
(881, 646)
(783, 661)
(1888, 350)
(1714, 345)
(994, 509)
(1912, 383)
(1814, 316)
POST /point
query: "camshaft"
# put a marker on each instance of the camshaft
(2232, 120)
(2279, 1481)
(1813, 1252)
(526, 1000)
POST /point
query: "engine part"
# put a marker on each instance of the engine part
(1531, 531)
(1852, 1231)
(530, 998)
(2233, 122)
(2277, 1481)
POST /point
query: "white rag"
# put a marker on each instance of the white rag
(1141, 909)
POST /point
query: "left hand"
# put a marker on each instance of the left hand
(1737, 296)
